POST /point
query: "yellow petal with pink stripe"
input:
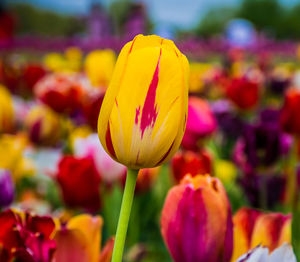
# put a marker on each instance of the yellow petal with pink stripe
(143, 115)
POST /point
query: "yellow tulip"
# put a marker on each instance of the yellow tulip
(225, 170)
(143, 116)
(73, 57)
(6, 110)
(43, 125)
(54, 62)
(198, 73)
(79, 240)
(79, 132)
(11, 156)
(99, 66)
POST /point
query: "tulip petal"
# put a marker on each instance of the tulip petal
(112, 91)
(44, 225)
(268, 228)
(107, 250)
(71, 246)
(258, 254)
(284, 253)
(90, 227)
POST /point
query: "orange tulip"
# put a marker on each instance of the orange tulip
(252, 227)
(79, 241)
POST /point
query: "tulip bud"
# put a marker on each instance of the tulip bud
(243, 221)
(189, 162)
(79, 181)
(91, 105)
(200, 73)
(73, 56)
(33, 73)
(196, 221)
(109, 170)
(289, 114)
(43, 125)
(61, 91)
(6, 111)
(143, 114)
(252, 228)
(24, 237)
(6, 188)
(284, 253)
(272, 230)
(243, 93)
(200, 123)
(12, 156)
(79, 240)
(99, 66)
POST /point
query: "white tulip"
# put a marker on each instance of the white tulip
(284, 253)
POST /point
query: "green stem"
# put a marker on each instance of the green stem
(124, 215)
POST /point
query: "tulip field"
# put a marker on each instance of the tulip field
(149, 153)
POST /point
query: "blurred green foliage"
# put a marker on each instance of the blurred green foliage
(41, 22)
(36, 21)
(269, 16)
(214, 21)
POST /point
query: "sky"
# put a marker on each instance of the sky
(177, 13)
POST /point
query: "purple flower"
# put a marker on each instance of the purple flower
(262, 143)
(255, 184)
(6, 188)
(228, 121)
(278, 85)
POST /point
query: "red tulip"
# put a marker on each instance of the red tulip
(196, 221)
(91, 107)
(61, 92)
(200, 123)
(243, 92)
(10, 75)
(27, 238)
(189, 162)
(79, 181)
(289, 117)
(32, 74)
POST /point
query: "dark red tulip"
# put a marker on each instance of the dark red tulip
(243, 93)
(79, 181)
(189, 162)
(289, 117)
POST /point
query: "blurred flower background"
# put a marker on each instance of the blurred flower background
(232, 187)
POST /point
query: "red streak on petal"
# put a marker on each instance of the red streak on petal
(109, 143)
(137, 158)
(149, 113)
(165, 155)
(116, 103)
(185, 118)
(137, 114)
(132, 45)
(176, 53)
